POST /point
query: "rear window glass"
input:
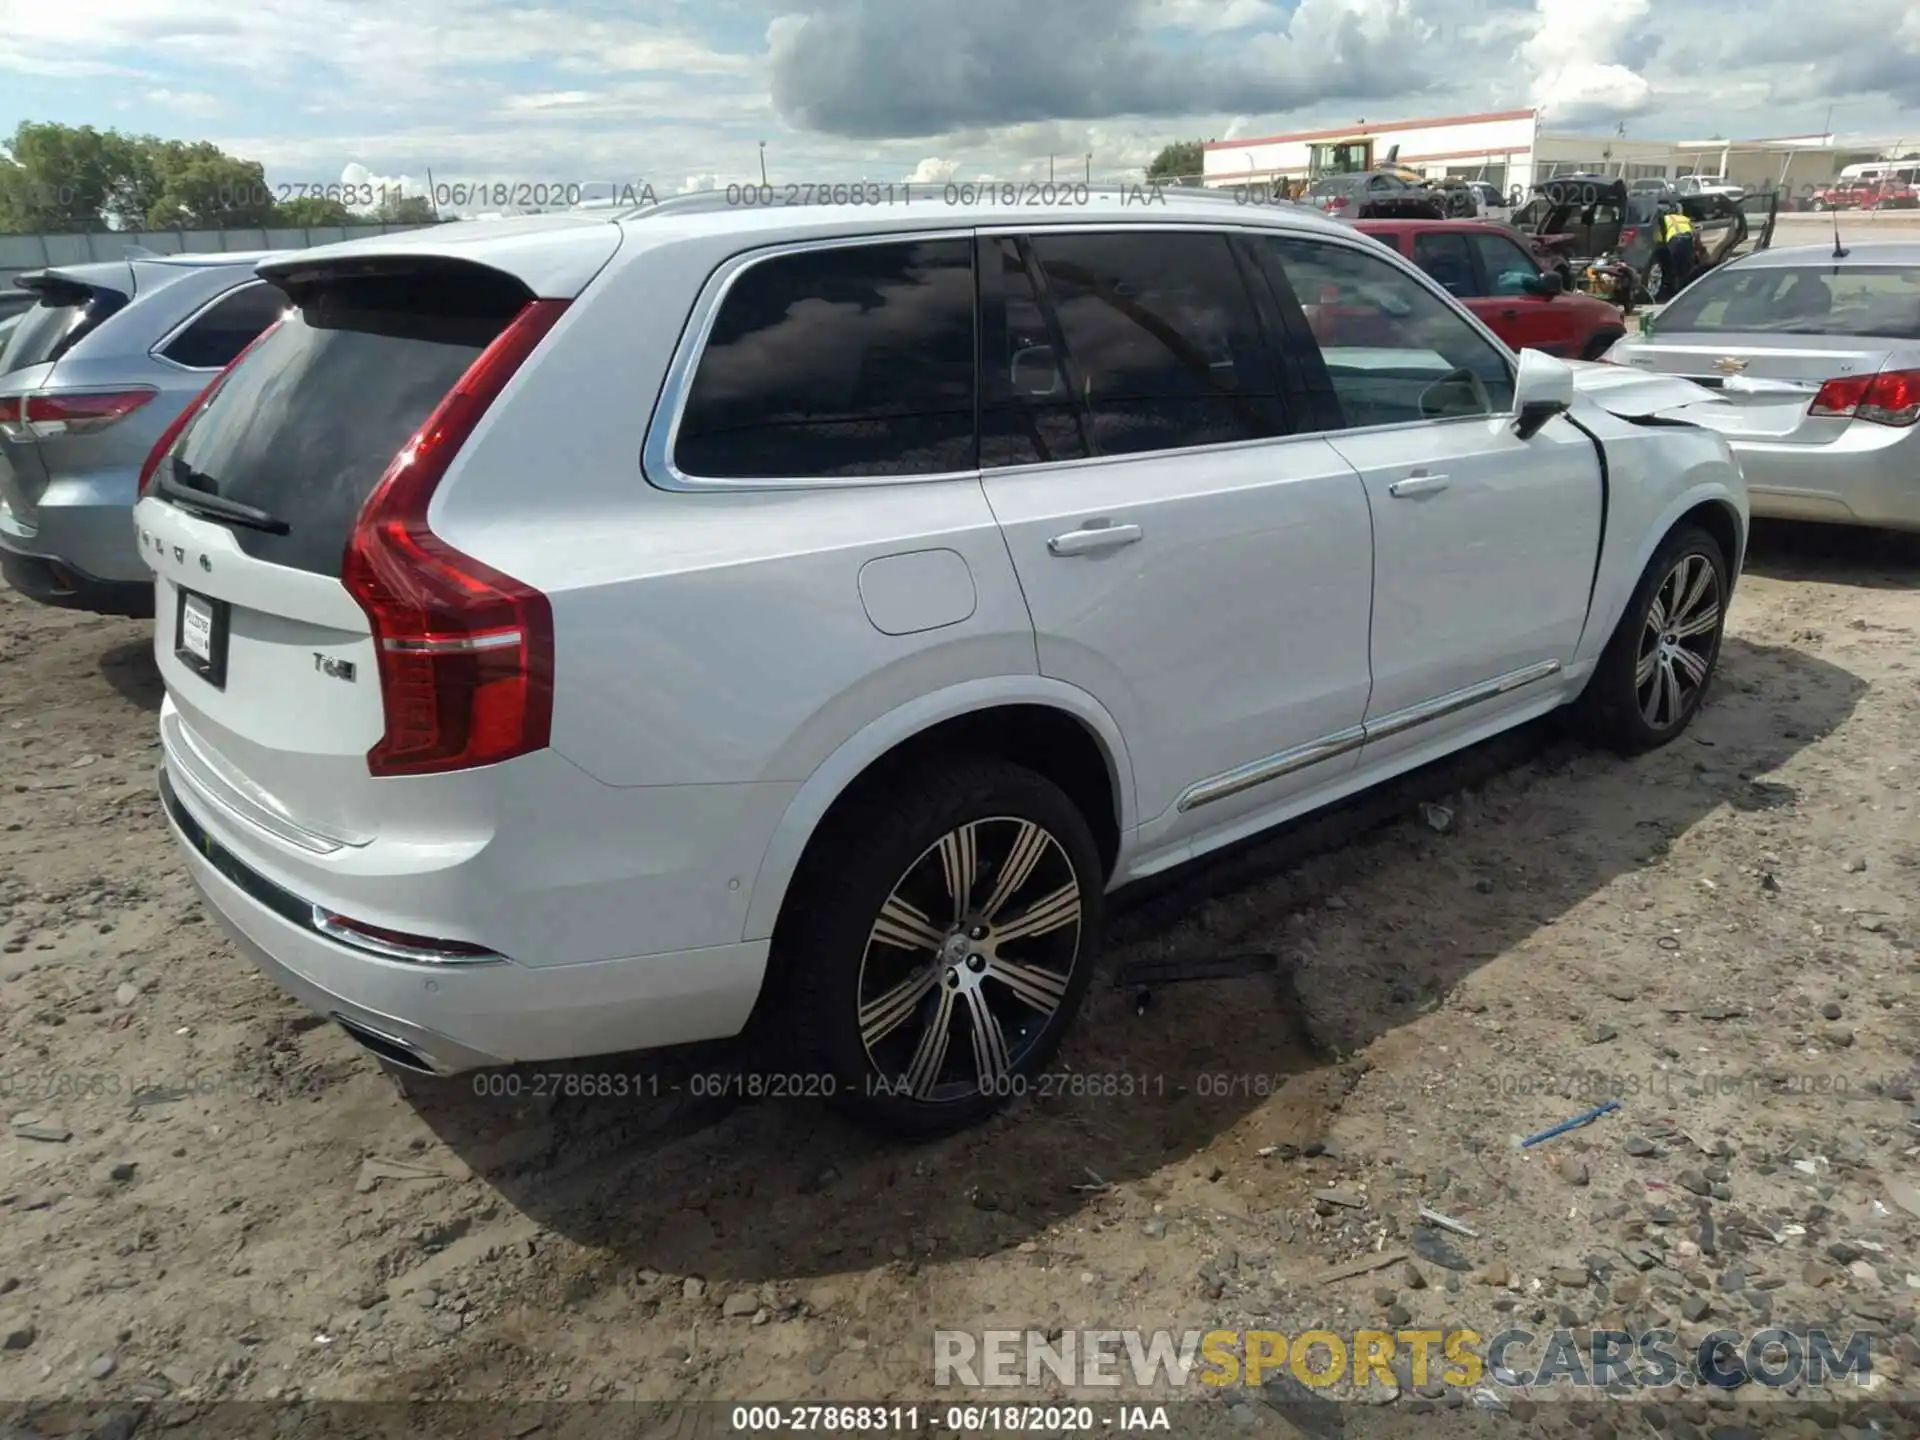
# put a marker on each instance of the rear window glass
(307, 424)
(1337, 185)
(1878, 301)
(60, 321)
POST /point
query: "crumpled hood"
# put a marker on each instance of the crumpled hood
(1638, 395)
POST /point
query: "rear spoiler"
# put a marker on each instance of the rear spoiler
(53, 288)
(60, 285)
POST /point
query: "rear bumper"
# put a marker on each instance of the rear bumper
(448, 1018)
(53, 582)
(1869, 476)
(80, 549)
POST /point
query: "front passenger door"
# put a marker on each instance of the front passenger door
(1190, 557)
(1484, 543)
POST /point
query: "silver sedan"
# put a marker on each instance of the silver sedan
(1819, 351)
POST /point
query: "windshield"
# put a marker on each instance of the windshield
(1879, 301)
(1336, 185)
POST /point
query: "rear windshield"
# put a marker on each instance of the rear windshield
(1877, 301)
(1337, 185)
(309, 421)
(63, 317)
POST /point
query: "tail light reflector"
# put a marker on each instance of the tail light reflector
(398, 944)
(49, 415)
(465, 653)
(177, 427)
(1890, 398)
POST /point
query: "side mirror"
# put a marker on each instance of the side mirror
(1546, 285)
(1035, 372)
(1542, 389)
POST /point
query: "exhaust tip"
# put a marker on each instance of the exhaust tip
(387, 1047)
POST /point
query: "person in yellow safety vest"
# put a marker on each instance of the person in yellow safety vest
(1674, 250)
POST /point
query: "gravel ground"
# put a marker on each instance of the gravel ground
(206, 1195)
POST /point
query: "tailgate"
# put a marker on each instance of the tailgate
(268, 651)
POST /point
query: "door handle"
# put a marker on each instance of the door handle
(1088, 539)
(1510, 314)
(1418, 484)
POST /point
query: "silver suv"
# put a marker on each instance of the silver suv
(587, 634)
(90, 377)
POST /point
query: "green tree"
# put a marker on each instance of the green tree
(68, 177)
(63, 177)
(1182, 160)
(201, 187)
(312, 210)
(404, 210)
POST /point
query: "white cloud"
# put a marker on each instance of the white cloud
(1575, 60)
(552, 100)
(931, 170)
(697, 183)
(196, 103)
(1210, 16)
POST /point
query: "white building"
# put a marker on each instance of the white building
(1509, 148)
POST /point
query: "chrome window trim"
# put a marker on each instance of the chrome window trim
(1344, 742)
(158, 350)
(663, 431)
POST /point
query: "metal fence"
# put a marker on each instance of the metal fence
(21, 253)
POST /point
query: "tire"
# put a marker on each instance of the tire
(1625, 705)
(1601, 343)
(922, 1064)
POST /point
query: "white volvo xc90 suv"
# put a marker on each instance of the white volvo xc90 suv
(583, 632)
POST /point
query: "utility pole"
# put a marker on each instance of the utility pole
(1089, 167)
(763, 162)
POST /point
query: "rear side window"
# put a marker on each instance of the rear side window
(306, 425)
(842, 362)
(1162, 337)
(1030, 412)
(227, 327)
(1445, 256)
(65, 316)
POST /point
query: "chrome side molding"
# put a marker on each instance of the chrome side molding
(1342, 742)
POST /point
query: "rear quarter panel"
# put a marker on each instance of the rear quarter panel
(705, 637)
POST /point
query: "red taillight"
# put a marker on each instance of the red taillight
(1629, 234)
(465, 653)
(48, 415)
(1890, 398)
(178, 425)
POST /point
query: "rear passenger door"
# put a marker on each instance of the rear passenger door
(1189, 557)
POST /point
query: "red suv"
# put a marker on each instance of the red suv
(1487, 268)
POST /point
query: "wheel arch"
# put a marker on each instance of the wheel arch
(1058, 729)
(1713, 500)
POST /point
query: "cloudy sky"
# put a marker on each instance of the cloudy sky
(671, 91)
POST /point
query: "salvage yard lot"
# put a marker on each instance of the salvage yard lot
(1720, 935)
